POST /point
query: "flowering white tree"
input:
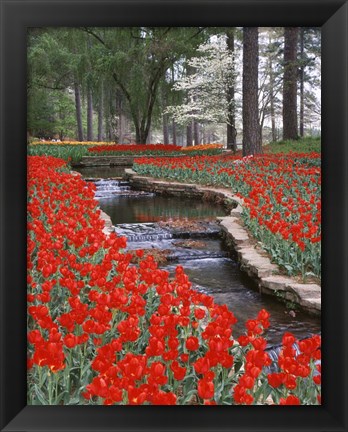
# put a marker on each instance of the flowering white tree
(207, 86)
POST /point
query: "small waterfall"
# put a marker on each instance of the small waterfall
(195, 254)
(143, 232)
(149, 237)
(107, 188)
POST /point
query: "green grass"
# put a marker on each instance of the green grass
(303, 145)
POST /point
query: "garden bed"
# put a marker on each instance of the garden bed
(103, 331)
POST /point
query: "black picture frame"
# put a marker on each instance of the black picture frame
(16, 17)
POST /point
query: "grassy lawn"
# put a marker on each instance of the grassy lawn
(304, 145)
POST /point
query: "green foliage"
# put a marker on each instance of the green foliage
(49, 60)
(129, 62)
(303, 145)
(137, 58)
(50, 113)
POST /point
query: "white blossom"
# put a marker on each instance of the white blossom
(207, 87)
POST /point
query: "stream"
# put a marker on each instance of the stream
(186, 229)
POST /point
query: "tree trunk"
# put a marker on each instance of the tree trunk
(196, 132)
(137, 136)
(302, 83)
(120, 118)
(251, 129)
(231, 138)
(173, 121)
(273, 125)
(174, 132)
(145, 123)
(165, 126)
(231, 125)
(189, 129)
(78, 111)
(100, 114)
(165, 129)
(189, 135)
(141, 135)
(149, 137)
(89, 115)
(290, 84)
(107, 115)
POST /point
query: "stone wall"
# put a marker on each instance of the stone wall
(92, 161)
(95, 161)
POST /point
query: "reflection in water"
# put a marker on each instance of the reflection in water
(101, 172)
(157, 208)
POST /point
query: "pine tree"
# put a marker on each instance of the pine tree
(290, 131)
(251, 129)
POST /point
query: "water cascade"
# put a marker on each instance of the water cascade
(111, 188)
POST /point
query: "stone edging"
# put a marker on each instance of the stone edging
(108, 227)
(253, 260)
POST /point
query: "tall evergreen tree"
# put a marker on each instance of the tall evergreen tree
(290, 84)
(251, 129)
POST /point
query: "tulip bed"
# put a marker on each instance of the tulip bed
(206, 149)
(282, 197)
(135, 149)
(104, 331)
(155, 149)
(203, 147)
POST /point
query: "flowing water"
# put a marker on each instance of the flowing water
(140, 216)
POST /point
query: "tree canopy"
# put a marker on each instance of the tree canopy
(182, 84)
